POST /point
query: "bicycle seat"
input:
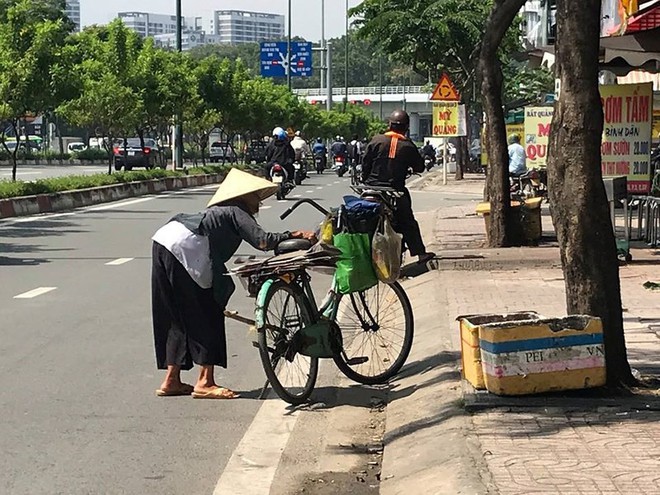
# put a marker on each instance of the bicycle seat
(291, 245)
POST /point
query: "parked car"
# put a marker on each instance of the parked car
(256, 151)
(75, 147)
(221, 152)
(133, 155)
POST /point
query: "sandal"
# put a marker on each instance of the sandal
(184, 389)
(216, 393)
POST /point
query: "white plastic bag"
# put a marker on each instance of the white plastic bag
(386, 252)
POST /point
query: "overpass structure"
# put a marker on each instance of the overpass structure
(382, 101)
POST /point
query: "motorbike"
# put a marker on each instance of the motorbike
(299, 172)
(340, 165)
(279, 176)
(318, 163)
(429, 162)
(530, 184)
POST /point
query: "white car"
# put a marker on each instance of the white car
(75, 147)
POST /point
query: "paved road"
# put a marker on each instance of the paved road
(35, 172)
(77, 371)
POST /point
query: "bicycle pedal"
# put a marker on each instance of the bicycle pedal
(357, 360)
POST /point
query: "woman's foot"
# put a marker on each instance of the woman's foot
(174, 389)
(214, 393)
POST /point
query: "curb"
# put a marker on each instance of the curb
(68, 200)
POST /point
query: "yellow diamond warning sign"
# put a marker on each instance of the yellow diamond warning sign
(445, 90)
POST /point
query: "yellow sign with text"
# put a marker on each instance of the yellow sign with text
(511, 129)
(626, 144)
(448, 119)
(537, 132)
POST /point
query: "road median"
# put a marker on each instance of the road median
(67, 200)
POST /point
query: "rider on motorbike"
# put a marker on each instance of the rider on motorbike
(279, 151)
(386, 163)
(338, 148)
(428, 151)
(300, 146)
(319, 149)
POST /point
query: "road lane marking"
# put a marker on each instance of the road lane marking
(119, 205)
(297, 196)
(265, 207)
(319, 187)
(309, 191)
(34, 292)
(251, 468)
(119, 261)
(21, 172)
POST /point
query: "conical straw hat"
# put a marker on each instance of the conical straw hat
(238, 184)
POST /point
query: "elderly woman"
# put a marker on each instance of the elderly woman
(190, 285)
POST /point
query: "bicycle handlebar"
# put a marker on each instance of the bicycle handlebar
(298, 203)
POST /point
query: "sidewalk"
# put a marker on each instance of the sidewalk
(580, 443)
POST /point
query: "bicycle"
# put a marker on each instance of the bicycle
(370, 332)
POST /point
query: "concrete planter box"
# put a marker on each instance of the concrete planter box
(67, 200)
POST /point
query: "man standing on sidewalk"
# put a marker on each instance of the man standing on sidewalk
(386, 163)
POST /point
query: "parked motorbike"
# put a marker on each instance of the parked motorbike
(530, 184)
(340, 165)
(279, 176)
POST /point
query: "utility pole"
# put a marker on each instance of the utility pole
(380, 82)
(328, 77)
(178, 129)
(322, 44)
(346, 61)
(288, 50)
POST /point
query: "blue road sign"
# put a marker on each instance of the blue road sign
(274, 62)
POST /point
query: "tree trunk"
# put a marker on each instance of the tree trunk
(460, 158)
(490, 72)
(14, 155)
(580, 211)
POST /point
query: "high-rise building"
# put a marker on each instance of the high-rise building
(147, 24)
(73, 12)
(237, 26)
(538, 23)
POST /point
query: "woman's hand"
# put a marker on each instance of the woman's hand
(302, 234)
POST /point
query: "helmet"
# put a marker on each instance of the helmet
(338, 138)
(514, 138)
(279, 133)
(319, 140)
(298, 133)
(400, 120)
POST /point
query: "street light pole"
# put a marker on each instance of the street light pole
(346, 61)
(178, 128)
(380, 82)
(323, 68)
(288, 50)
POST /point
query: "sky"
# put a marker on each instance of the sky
(305, 19)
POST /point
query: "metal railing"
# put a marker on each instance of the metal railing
(366, 90)
(647, 227)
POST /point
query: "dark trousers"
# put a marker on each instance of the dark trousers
(406, 225)
(189, 325)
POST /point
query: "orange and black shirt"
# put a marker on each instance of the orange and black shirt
(388, 158)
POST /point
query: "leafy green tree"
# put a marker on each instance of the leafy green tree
(108, 102)
(32, 34)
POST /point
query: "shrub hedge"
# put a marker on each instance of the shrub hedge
(9, 189)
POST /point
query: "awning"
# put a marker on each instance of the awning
(638, 76)
(639, 50)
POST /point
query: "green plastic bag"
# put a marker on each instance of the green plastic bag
(355, 271)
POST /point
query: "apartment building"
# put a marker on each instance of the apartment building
(72, 11)
(148, 24)
(238, 26)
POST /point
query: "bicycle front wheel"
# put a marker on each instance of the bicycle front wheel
(377, 327)
(292, 375)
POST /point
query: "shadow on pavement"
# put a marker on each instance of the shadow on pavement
(6, 261)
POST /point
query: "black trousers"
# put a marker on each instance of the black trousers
(406, 225)
(188, 323)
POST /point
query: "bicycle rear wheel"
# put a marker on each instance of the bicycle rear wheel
(377, 327)
(292, 375)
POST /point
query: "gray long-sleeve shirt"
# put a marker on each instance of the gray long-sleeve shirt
(225, 227)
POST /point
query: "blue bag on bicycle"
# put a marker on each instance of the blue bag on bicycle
(361, 215)
(355, 271)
